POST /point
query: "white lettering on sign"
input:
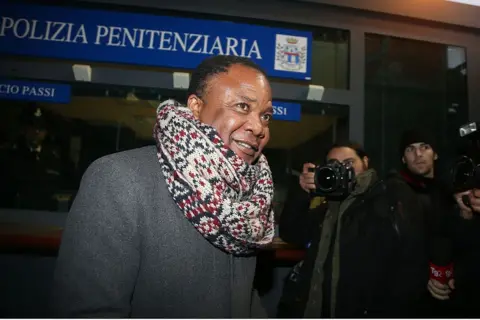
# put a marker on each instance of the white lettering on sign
(280, 111)
(27, 91)
(9, 89)
(47, 30)
(175, 41)
(38, 91)
(113, 36)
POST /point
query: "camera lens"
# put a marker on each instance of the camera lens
(326, 179)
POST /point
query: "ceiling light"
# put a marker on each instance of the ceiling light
(82, 72)
(181, 80)
(315, 92)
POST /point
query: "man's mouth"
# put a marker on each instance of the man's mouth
(247, 147)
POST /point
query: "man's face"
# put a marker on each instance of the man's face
(419, 158)
(349, 156)
(238, 104)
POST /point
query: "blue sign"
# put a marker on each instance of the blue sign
(92, 35)
(287, 111)
(34, 91)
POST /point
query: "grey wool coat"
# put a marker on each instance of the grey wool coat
(128, 251)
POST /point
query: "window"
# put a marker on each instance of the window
(412, 84)
(46, 147)
(330, 58)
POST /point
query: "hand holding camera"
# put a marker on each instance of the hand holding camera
(307, 178)
(468, 202)
(335, 179)
(466, 172)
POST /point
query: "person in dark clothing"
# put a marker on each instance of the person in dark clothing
(32, 166)
(362, 260)
(463, 227)
(419, 183)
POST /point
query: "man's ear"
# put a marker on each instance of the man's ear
(435, 157)
(365, 161)
(195, 104)
(403, 160)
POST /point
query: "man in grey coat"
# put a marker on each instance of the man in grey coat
(171, 230)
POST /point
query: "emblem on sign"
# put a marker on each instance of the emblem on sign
(291, 53)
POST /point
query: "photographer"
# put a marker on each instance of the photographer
(360, 258)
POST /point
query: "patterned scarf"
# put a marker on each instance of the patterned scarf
(227, 200)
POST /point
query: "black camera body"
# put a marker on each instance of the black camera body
(466, 170)
(333, 180)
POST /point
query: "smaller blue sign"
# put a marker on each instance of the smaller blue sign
(287, 111)
(34, 91)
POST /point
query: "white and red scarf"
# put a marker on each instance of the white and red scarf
(226, 199)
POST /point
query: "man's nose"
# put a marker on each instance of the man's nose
(256, 126)
(418, 152)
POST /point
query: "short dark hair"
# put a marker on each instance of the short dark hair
(357, 147)
(212, 66)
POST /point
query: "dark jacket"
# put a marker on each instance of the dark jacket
(465, 234)
(433, 198)
(128, 251)
(382, 270)
(434, 219)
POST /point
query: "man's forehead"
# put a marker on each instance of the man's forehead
(341, 159)
(417, 144)
(342, 153)
(239, 75)
(245, 86)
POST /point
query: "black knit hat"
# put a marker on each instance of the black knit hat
(416, 136)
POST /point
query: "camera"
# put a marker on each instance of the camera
(334, 180)
(466, 170)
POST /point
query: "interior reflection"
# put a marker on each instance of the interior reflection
(45, 148)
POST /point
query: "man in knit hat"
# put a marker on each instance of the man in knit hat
(418, 150)
(428, 200)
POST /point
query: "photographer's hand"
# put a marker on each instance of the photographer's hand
(307, 178)
(474, 199)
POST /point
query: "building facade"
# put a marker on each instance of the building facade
(373, 72)
(85, 79)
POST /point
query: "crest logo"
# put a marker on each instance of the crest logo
(291, 53)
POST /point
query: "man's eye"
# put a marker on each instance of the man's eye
(243, 106)
(267, 117)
